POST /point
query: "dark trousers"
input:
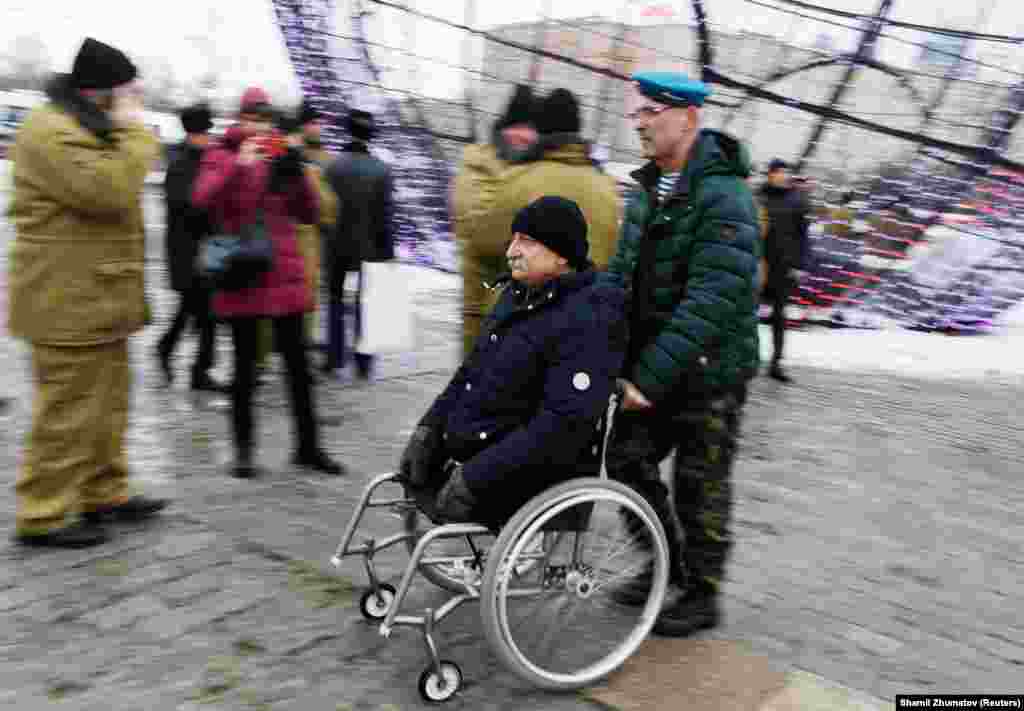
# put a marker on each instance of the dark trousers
(194, 305)
(779, 291)
(704, 436)
(337, 347)
(290, 342)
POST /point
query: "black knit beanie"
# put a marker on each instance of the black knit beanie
(558, 224)
(100, 66)
(197, 118)
(559, 112)
(360, 125)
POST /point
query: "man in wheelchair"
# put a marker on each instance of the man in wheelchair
(523, 411)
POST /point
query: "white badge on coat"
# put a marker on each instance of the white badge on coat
(581, 381)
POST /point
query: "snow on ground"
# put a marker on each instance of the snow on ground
(998, 355)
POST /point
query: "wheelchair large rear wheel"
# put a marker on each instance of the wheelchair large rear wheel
(562, 622)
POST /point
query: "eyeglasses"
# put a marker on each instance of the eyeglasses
(648, 111)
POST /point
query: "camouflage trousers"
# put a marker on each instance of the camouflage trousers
(697, 517)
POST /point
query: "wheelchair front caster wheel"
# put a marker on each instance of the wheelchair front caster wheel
(375, 604)
(437, 689)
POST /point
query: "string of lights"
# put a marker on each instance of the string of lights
(870, 268)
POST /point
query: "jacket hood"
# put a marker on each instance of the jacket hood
(565, 148)
(714, 153)
(719, 153)
(86, 113)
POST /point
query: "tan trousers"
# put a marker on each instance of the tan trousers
(309, 247)
(478, 300)
(74, 455)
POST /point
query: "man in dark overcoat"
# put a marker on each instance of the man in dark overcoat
(520, 413)
(187, 226)
(363, 232)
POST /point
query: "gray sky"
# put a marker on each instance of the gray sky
(249, 47)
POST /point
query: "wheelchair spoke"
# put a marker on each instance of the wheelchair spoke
(624, 574)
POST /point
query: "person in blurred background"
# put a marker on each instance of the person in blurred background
(187, 226)
(514, 141)
(311, 236)
(489, 193)
(562, 166)
(786, 246)
(250, 174)
(363, 232)
(76, 280)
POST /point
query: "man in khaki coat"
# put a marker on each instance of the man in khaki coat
(489, 191)
(310, 236)
(77, 294)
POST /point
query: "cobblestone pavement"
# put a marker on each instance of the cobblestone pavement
(879, 545)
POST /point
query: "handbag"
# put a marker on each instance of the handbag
(236, 261)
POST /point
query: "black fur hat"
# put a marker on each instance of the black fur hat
(521, 108)
(100, 66)
(559, 112)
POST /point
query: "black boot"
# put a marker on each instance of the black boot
(81, 534)
(636, 589)
(163, 357)
(696, 610)
(775, 372)
(317, 460)
(243, 468)
(133, 510)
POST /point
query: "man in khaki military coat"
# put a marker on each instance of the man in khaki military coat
(76, 295)
(310, 236)
(497, 180)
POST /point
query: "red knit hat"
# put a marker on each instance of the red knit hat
(254, 101)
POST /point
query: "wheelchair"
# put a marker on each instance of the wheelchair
(545, 580)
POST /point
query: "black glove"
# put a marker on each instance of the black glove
(416, 467)
(455, 502)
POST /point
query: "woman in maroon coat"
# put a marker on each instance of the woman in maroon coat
(244, 174)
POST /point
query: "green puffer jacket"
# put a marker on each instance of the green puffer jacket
(698, 331)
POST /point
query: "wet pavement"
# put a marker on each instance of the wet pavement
(878, 543)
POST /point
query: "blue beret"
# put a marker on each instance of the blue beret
(672, 88)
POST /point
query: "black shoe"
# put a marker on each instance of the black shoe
(695, 611)
(5, 405)
(364, 367)
(81, 534)
(244, 470)
(207, 384)
(320, 462)
(329, 368)
(164, 359)
(777, 373)
(133, 510)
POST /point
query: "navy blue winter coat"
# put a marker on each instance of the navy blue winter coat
(521, 413)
